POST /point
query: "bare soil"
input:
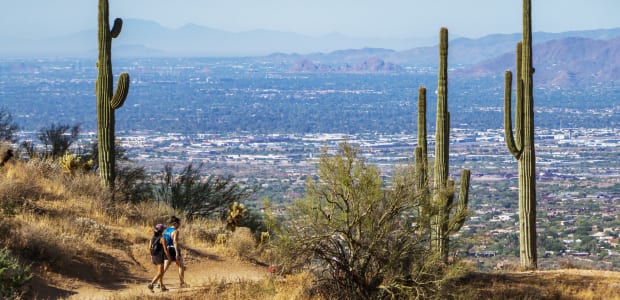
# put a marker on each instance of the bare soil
(202, 268)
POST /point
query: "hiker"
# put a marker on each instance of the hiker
(171, 235)
(158, 251)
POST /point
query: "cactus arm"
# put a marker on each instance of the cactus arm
(122, 89)
(509, 136)
(116, 28)
(461, 209)
(464, 189)
(519, 95)
(450, 194)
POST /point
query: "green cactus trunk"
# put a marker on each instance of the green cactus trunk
(441, 199)
(522, 146)
(421, 160)
(442, 222)
(107, 101)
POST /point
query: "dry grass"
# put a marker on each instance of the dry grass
(558, 284)
(293, 287)
(202, 232)
(69, 228)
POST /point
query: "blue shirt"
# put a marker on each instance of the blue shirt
(168, 236)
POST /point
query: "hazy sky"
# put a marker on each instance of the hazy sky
(359, 18)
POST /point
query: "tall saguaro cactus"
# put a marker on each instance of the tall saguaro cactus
(107, 101)
(521, 143)
(438, 201)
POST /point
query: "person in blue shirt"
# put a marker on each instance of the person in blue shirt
(171, 235)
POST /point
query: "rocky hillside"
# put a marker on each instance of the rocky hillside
(563, 63)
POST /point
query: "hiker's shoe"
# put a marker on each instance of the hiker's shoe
(164, 288)
(157, 285)
(150, 286)
(183, 285)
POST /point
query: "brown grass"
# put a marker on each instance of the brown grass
(73, 234)
(557, 284)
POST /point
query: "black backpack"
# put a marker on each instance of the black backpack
(156, 246)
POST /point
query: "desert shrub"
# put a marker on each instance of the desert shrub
(88, 228)
(57, 138)
(360, 236)
(8, 127)
(85, 185)
(43, 168)
(15, 196)
(35, 242)
(149, 213)
(13, 275)
(71, 164)
(6, 152)
(199, 196)
(203, 230)
(242, 243)
(237, 212)
(132, 184)
(294, 287)
(255, 221)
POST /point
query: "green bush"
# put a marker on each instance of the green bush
(198, 195)
(13, 275)
(359, 235)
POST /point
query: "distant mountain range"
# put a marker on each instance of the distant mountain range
(141, 38)
(567, 62)
(571, 60)
(561, 59)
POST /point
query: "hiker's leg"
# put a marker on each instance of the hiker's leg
(181, 269)
(156, 278)
(161, 274)
(166, 265)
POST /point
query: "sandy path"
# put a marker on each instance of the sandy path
(198, 274)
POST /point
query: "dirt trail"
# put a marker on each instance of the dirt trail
(202, 270)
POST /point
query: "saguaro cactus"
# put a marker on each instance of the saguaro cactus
(437, 207)
(521, 143)
(107, 101)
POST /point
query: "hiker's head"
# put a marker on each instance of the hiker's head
(159, 228)
(174, 221)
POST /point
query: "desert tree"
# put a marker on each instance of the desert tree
(197, 194)
(362, 236)
(8, 127)
(58, 138)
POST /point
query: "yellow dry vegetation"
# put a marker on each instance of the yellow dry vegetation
(81, 244)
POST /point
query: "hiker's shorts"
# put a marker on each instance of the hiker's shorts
(157, 259)
(173, 253)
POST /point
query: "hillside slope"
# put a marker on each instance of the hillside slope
(81, 246)
(564, 63)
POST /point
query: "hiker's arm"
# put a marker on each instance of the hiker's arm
(175, 236)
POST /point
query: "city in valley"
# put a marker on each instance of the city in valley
(267, 126)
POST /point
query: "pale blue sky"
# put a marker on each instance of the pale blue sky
(359, 18)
